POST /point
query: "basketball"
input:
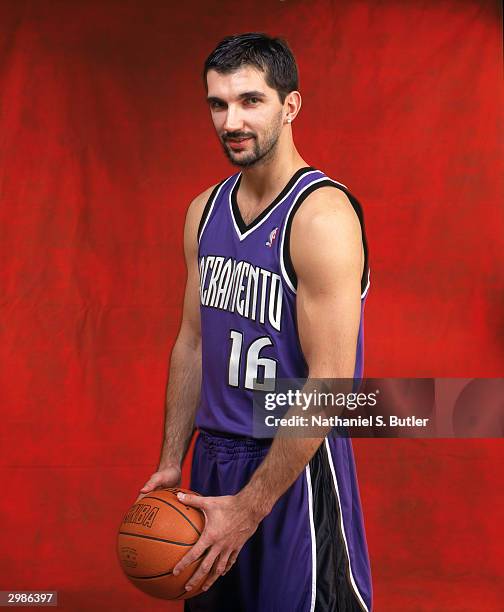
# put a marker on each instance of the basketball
(156, 532)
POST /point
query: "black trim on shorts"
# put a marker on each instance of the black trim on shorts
(289, 268)
(334, 591)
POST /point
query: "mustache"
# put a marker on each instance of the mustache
(236, 135)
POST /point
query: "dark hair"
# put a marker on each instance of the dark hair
(270, 55)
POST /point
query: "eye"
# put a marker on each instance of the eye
(252, 100)
(216, 105)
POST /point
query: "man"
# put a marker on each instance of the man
(277, 276)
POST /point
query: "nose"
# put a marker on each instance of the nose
(234, 122)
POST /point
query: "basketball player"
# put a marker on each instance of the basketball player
(277, 276)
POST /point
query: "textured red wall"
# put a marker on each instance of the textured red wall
(104, 139)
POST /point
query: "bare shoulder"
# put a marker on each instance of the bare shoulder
(326, 205)
(326, 232)
(197, 205)
(193, 219)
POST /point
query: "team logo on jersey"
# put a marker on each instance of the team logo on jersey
(237, 286)
(272, 236)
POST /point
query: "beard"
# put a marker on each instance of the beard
(262, 149)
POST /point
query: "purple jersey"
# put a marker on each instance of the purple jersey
(248, 301)
(248, 319)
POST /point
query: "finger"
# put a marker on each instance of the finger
(196, 501)
(231, 561)
(222, 564)
(145, 493)
(152, 483)
(205, 566)
(218, 569)
(196, 551)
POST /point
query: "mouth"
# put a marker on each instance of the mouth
(237, 144)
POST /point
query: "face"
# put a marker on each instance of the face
(247, 115)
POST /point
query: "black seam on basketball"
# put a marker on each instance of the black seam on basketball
(176, 510)
(161, 575)
(289, 268)
(150, 577)
(147, 537)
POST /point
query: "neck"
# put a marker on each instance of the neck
(269, 176)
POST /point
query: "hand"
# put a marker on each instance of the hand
(230, 521)
(166, 476)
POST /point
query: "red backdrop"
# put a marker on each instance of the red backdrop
(105, 138)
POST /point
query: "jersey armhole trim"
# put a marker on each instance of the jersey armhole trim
(207, 211)
(286, 266)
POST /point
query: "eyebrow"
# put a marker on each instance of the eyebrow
(242, 96)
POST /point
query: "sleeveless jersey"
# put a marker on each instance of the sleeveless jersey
(248, 300)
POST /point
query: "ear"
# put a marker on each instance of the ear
(292, 106)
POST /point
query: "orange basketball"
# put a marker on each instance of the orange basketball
(156, 532)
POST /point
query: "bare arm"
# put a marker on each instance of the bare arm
(328, 314)
(184, 381)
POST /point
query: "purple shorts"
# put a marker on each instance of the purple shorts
(309, 554)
